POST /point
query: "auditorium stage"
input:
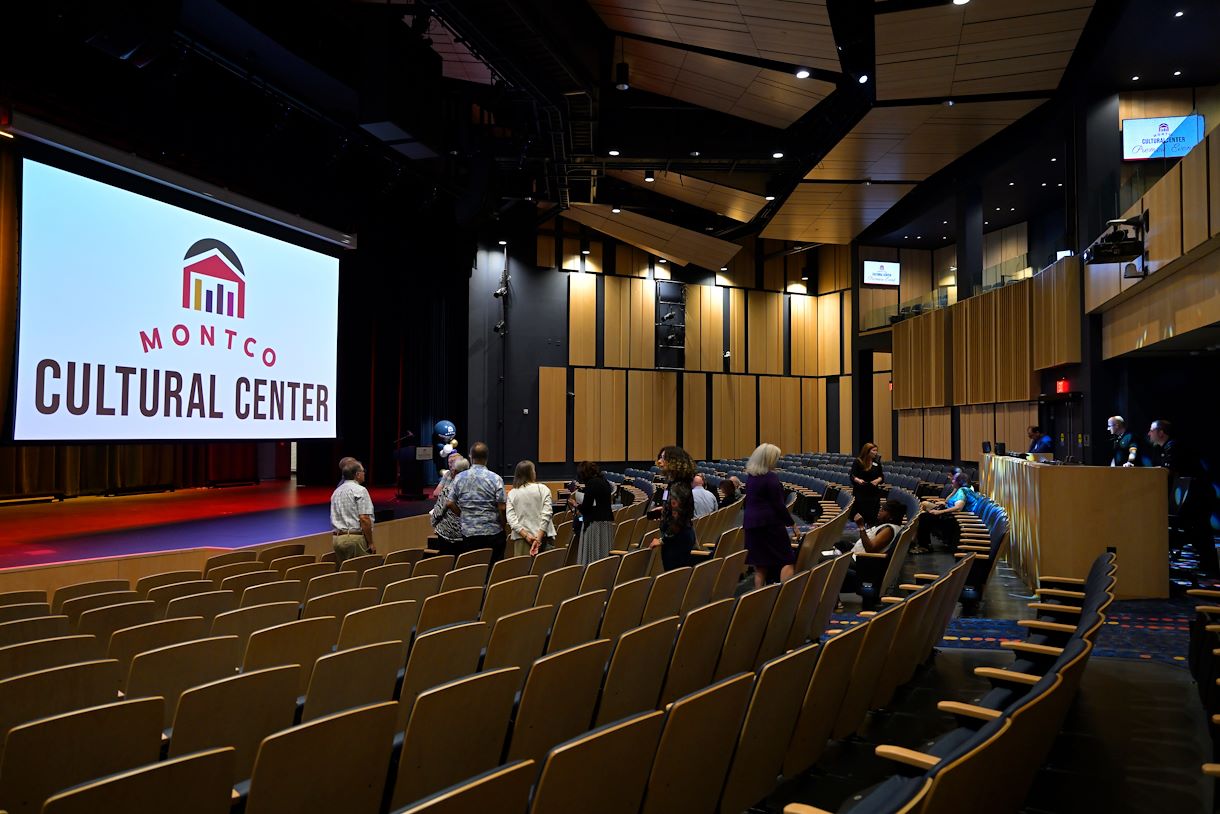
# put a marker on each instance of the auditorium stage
(87, 527)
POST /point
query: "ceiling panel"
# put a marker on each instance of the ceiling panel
(832, 213)
(760, 95)
(732, 203)
(987, 46)
(912, 142)
(795, 31)
(675, 244)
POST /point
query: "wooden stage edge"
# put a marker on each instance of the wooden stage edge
(395, 535)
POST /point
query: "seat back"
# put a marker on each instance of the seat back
(508, 597)
(295, 769)
(168, 671)
(517, 640)
(283, 564)
(126, 642)
(729, 576)
(506, 788)
(558, 585)
(600, 575)
(807, 607)
(300, 642)
(557, 702)
(665, 595)
(222, 572)
(387, 622)
(574, 777)
(830, 595)
(866, 673)
(310, 571)
(435, 566)
(577, 620)
(162, 595)
(194, 784)
(102, 740)
(898, 557)
(623, 535)
(548, 561)
(354, 677)
(904, 653)
(146, 584)
(410, 556)
(361, 564)
(634, 565)
(783, 614)
(273, 553)
(98, 586)
(41, 654)
(329, 584)
(240, 582)
(625, 607)
(479, 556)
(821, 702)
(637, 670)
(206, 605)
(73, 608)
(706, 723)
(699, 587)
(340, 603)
(469, 576)
(228, 558)
(767, 729)
(102, 622)
(450, 607)
(382, 575)
(746, 631)
(438, 657)
(30, 696)
(238, 712)
(244, 621)
(509, 568)
(698, 647)
(456, 731)
(563, 534)
(36, 627)
(414, 589)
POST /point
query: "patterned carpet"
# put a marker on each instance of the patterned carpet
(1154, 630)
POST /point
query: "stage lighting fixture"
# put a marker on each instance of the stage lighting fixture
(620, 76)
(502, 291)
(501, 328)
(668, 316)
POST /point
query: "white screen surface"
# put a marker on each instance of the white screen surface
(1166, 137)
(881, 273)
(142, 320)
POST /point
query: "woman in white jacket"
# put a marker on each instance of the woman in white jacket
(529, 512)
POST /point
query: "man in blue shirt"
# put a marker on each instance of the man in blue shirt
(1039, 441)
(705, 501)
(478, 499)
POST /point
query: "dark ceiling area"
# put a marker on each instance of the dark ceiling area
(346, 110)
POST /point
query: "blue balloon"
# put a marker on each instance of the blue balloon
(445, 429)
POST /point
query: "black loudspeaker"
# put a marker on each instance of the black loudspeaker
(986, 447)
(1000, 448)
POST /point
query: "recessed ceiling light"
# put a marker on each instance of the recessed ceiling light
(1178, 13)
(802, 73)
(660, 259)
(944, 237)
(614, 152)
(960, 2)
(615, 210)
(1054, 159)
(724, 268)
(906, 237)
(863, 80)
(1012, 183)
(945, 222)
(586, 251)
(649, 176)
(997, 209)
(1177, 73)
(1060, 185)
(502, 242)
(986, 223)
(1012, 209)
(919, 237)
(777, 154)
(694, 153)
(1043, 183)
(1135, 79)
(770, 197)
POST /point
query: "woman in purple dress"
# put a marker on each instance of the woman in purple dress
(767, 523)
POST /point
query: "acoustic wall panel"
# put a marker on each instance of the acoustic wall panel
(599, 415)
(652, 402)
(737, 330)
(846, 427)
(779, 412)
(694, 414)
(582, 320)
(552, 414)
(734, 415)
(813, 415)
(765, 312)
(803, 321)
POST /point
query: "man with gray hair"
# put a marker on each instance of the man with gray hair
(351, 514)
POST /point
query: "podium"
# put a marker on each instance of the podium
(1062, 517)
(412, 471)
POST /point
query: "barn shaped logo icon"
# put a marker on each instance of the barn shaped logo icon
(213, 280)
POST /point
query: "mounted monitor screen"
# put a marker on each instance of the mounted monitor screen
(1166, 137)
(881, 272)
(139, 320)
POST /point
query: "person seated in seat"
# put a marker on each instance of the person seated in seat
(874, 539)
(939, 517)
(1038, 440)
(705, 501)
(728, 492)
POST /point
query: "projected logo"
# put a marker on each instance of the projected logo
(213, 280)
(1163, 129)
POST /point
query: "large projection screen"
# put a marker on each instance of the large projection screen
(139, 320)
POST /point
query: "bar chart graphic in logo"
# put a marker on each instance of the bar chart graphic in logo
(213, 280)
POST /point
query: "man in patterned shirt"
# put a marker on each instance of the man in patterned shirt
(351, 514)
(478, 499)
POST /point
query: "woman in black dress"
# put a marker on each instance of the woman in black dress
(677, 537)
(866, 480)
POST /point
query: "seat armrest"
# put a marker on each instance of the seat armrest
(1033, 649)
(701, 552)
(1207, 608)
(872, 555)
(1070, 581)
(907, 757)
(1043, 606)
(927, 577)
(1061, 594)
(1211, 769)
(892, 600)
(968, 710)
(982, 549)
(1203, 592)
(906, 586)
(1007, 676)
(801, 808)
(963, 554)
(867, 614)
(1050, 627)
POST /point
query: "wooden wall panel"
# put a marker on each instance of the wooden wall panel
(803, 319)
(1014, 345)
(830, 332)
(910, 433)
(847, 435)
(545, 257)
(737, 331)
(651, 413)
(711, 340)
(694, 327)
(552, 414)
(959, 327)
(643, 324)
(1011, 421)
(582, 320)
(845, 334)
(740, 272)
(1213, 184)
(813, 415)
(1186, 301)
(977, 424)
(981, 354)
(734, 415)
(586, 415)
(630, 261)
(766, 332)
(916, 278)
(876, 304)
(612, 422)
(1056, 314)
(1163, 243)
(573, 260)
(1194, 197)
(694, 414)
(938, 358)
(775, 267)
(599, 415)
(937, 435)
(834, 268)
(882, 362)
(779, 412)
(883, 416)
(901, 360)
(616, 324)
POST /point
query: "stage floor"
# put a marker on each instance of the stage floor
(87, 527)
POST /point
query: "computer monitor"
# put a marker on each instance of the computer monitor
(986, 447)
(1000, 448)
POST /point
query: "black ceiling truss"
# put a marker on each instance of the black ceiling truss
(834, 77)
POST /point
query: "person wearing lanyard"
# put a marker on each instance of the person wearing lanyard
(351, 514)
(1126, 450)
